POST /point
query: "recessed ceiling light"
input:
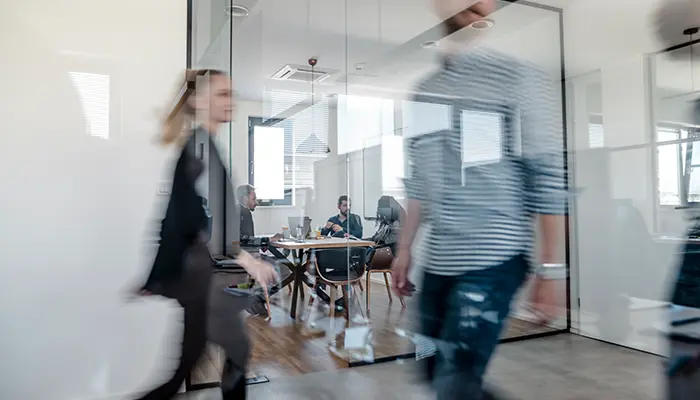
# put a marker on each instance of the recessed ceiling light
(482, 24)
(237, 11)
(429, 44)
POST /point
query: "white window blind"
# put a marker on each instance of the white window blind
(305, 134)
(596, 136)
(93, 91)
(669, 159)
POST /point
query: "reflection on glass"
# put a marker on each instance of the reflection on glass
(596, 135)
(93, 90)
(392, 165)
(669, 174)
(482, 137)
(433, 118)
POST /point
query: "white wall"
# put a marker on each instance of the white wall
(76, 209)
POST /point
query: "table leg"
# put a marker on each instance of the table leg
(298, 277)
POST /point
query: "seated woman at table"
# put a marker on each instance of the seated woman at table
(390, 215)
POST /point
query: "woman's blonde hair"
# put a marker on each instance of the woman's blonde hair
(175, 125)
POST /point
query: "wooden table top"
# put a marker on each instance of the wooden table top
(329, 243)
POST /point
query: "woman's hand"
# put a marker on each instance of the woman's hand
(134, 293)
(259, 270)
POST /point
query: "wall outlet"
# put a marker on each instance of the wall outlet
(164, 188)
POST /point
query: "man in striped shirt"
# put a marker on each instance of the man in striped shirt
(485, 167)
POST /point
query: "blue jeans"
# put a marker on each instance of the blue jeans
(464, 317)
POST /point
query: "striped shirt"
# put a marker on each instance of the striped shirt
(485, 153)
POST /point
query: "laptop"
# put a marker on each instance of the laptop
(299, 222)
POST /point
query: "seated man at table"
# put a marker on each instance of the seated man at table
(340, 225)
(344, 223)
(247, 201)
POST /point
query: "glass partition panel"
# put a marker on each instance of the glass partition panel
(326, 104)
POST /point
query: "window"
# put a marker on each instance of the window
(678, 165)
(392, 166)
(482, 137)
(362, 121)
(268, 165)
(302, 137)
(93, 91)
(595, 135)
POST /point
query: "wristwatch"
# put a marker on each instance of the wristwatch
(553, 271)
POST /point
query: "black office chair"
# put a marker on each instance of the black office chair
(380, 258)
(339, 267)
(221, 263)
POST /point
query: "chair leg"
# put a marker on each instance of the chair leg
(346, 309)
(354, 292)
(311, 298)
(388, 288)
(369, 285)
(332, 290)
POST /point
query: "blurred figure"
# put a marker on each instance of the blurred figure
(676, 21)
(672, 18)
(481, 212)
(183, 269)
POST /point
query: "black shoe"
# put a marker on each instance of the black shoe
(340, 305)
(257, 307)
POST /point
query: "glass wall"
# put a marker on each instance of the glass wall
(632, 134)
(326, 98)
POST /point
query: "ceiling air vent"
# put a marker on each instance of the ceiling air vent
(301, 74)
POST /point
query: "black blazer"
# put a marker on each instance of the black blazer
(184, 222)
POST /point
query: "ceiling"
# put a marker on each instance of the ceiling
(383, 36)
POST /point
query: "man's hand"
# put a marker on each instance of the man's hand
(400, 269)
(329, 224)
(276, 237)
(544, 300)
(337, 228)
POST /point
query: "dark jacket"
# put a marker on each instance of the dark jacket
(351, 225)
(184, 222)
(247, 225)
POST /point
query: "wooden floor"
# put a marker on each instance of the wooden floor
(279, 349)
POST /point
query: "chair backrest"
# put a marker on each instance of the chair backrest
(388, 209)
(341, 265)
